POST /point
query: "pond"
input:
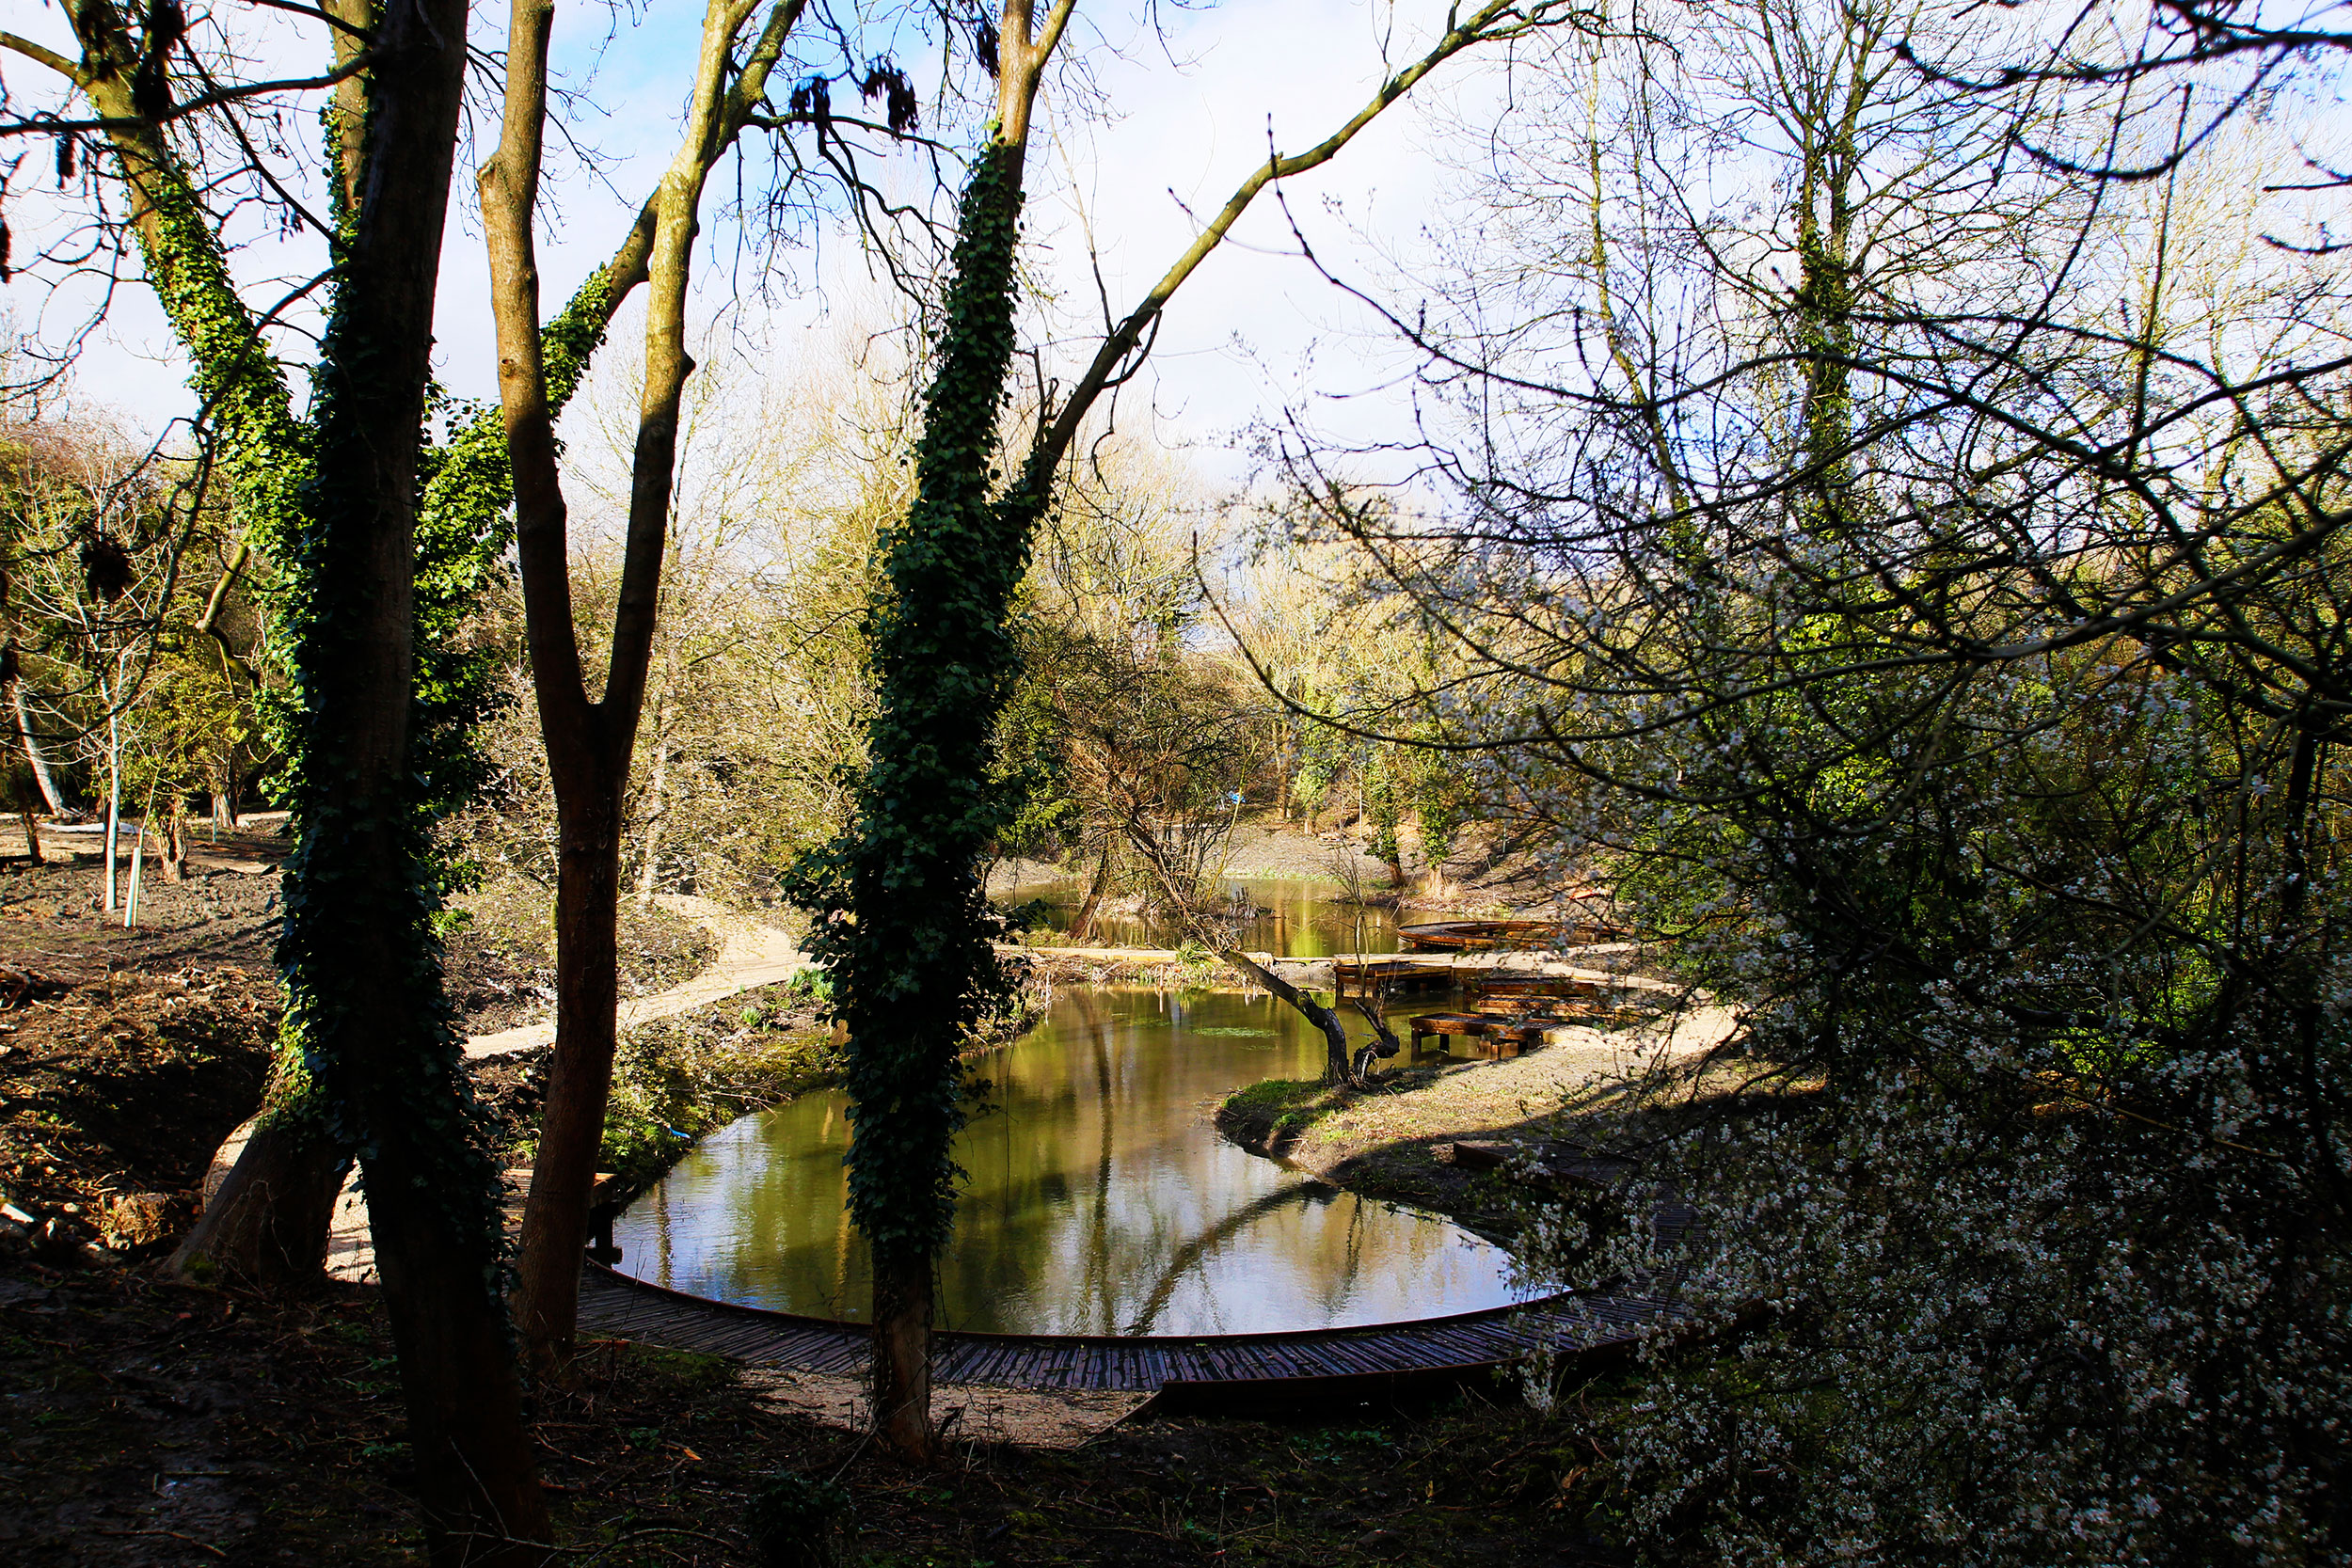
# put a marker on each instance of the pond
(1302, 918)
(1101, 1198)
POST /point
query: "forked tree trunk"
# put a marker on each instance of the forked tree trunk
(910, 951)
(589, 743)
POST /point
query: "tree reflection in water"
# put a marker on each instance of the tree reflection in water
(1099, 1197)
(1304, 918)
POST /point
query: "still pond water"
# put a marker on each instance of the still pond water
(1101, 1199)
(1292, 916)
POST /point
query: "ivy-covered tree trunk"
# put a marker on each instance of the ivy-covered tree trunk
(914, 960)
(903, 924)
(362, 968)
(266, 1224)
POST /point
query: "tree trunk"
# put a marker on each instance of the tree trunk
(174, 851)
(658, 788)
(267, 1227)
(363, 972)
(32, 749)
(902, 917)
(579, 1075)
(902, 1356)
(590, 744)
(915, 964)
(1082, 930)
(1335, 1068)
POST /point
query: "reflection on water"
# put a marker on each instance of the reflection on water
(1101, 1199)
(1303, 918)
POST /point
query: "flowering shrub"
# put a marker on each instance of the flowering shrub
(1956, 685)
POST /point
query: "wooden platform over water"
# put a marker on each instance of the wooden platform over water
(1190, 1372)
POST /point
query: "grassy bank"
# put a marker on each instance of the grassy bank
(1391, 1141)
(675, 1079)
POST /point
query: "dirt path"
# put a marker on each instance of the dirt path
(750, 955)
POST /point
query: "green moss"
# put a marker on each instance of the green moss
(689, 1371)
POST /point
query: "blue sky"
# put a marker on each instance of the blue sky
(1254, 329)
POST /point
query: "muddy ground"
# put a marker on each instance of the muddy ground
(153, 1424)
(502, 954)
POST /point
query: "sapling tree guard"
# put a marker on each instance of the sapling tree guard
(903, 921)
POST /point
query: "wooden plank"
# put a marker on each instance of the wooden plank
(614, 1305)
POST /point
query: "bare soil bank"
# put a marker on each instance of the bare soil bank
(1396, 1139)
(1496, 869)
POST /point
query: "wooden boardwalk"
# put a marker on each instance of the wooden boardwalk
(1193, 1371)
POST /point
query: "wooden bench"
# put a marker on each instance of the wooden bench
(1491, 1037)
(1547, 988)
(1437, 1025)
(607, 1195)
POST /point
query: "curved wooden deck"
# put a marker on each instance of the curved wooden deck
(1230, 1370)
